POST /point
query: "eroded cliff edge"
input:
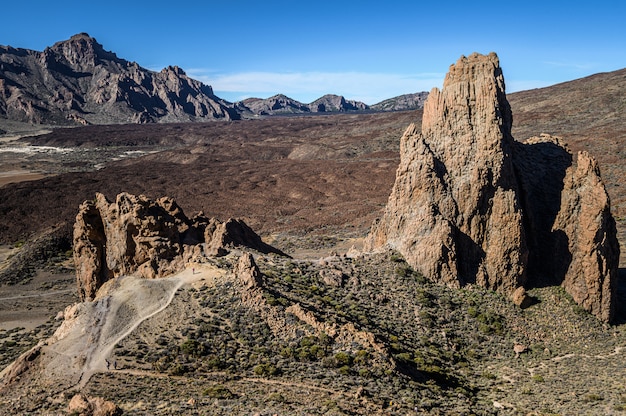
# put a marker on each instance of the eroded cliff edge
(470, 205)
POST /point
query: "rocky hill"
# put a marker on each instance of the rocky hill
(78, 82)
(402, 102)
(242, 331)
(281, 104)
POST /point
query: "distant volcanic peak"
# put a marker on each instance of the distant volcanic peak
(471, 205)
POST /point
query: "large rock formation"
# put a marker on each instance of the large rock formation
(77, 81)
(148, 238)
(472, 205)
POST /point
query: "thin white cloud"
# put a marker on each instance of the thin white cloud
(308, 86)
(570, 65)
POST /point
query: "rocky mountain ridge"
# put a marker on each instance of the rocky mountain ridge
(470, 205)
(77, 81)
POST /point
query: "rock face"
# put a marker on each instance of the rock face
(472, 205)
(149, 238)
(77, 82)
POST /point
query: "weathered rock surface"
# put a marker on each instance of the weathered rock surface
(471, 205)
(150, 238)
(77, 82)
(92, 406)
(248, 272)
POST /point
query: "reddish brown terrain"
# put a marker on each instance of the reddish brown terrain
(296, 174)
(228, 344)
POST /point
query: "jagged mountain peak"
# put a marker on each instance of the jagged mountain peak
(78, 81)
(81, 50)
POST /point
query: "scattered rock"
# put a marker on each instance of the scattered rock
(470, 205)
(519, 349)
(332, 277)
(521, 298)
(92, 406)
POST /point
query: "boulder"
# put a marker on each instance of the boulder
(470, 205)
(248, 272)
(92, 406)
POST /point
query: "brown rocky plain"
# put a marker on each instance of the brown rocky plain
(319, 333)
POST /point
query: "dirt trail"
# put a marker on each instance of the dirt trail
(86, 339)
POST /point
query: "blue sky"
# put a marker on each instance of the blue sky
(364, 50)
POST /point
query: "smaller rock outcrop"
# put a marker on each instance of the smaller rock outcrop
(135, 235)
(248, 272)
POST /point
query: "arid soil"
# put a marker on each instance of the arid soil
(311, 185)
(285, 173)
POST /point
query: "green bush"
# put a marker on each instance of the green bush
(218, 391)
(266, 370)
(343, 359)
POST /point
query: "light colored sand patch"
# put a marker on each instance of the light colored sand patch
(341, 248)
(29, 150)
(85, 340)
(17, 136)
(15, 176)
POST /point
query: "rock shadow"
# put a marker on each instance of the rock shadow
(620, 298)
(470, 256)
(540, 169)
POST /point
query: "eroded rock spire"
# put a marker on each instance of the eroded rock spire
(471, 205)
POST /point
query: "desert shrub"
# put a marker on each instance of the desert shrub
(266, 370)
(403, 270)
(361, 356)
(489, 375)
(344, 370)
(365, 373)
(343, 359)
(179, 370)
(218, 391)
(193, 348)
(592, 397)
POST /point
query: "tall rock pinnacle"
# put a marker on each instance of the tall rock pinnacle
(471, 205)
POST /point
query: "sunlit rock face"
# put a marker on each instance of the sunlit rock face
(470, 205)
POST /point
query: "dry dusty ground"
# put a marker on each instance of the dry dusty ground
(311, 185)
(192, 344)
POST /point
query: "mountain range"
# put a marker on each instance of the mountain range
(77, 81)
